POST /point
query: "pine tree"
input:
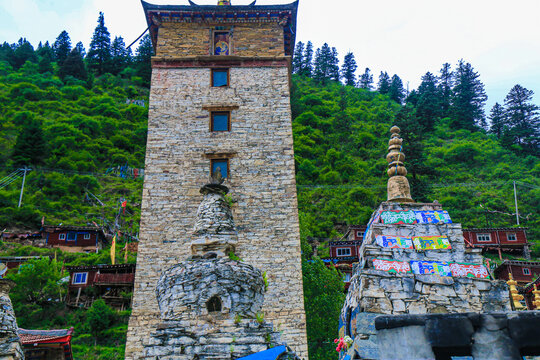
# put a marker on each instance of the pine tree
(73, 66)
(334, 65)
(498, 119)
(143, 57)
(46, 57)
(307, 64)
(445, 88)
(62, 47)
(6, 53)
(468, 98)
(366, 80)
(383, 86)
(80, 49)
(24, 51)
(324, 64)
(523, 118)
(298, 58)
(396, 91)
(30, 147)
(120, 55)
(348, 69)
(99, 54)
(427, 101)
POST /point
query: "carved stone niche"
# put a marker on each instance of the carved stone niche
(221, 288)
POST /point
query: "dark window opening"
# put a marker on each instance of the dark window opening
(221, 43)
(214, 304)
(71, 236)
(220, 77)
(220, 121)
(222, 165)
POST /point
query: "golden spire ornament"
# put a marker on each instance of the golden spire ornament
(536, 299)
(514, 293)
(399, 189)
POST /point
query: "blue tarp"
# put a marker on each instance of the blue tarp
(271, 354)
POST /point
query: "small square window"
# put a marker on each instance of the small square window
(220, 77)
(360, 234)
(526, 271)
(483, 237)
(87, 236)
(220, 121)
(222, 165)
(79, 278)
(72, 236)
(511, 237)
(62, 236)
(343, 251)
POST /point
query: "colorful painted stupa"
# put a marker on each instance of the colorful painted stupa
(413, 260)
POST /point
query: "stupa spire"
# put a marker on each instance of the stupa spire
(224, 2)
(399, 189)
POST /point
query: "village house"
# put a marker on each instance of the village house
(13, 262)
(523, 272)
(112, 283)
(74, 238)
(501, 240)
(46, 344)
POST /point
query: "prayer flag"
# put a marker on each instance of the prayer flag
(113, 249)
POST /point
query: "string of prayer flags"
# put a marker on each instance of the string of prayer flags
(391, 266)
(394, 242)
(422, 243)
(430, 267)
(398, 217)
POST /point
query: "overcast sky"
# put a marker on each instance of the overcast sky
(501, 39)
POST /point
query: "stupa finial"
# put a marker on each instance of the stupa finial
(399, 189)
(223, 2)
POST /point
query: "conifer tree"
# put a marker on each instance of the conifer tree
(24, 51)
(523, 118)
(396, 91)
(46, 56)
(120, 55)
(468, 98)
(334, 65)
(30, 147)
(324, 64)
(298, 58)
(80, 49)
(383, 86)
(307, 64)
(6, 53)
(366, 80)
(498, 120)
(99, 54)
(143, 56)
(445, 88)
(427, 101)
(73, 66)
(348, 69)
(62, 47)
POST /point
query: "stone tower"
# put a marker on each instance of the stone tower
(220, 101)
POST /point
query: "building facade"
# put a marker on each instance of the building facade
(220, 99)
(74, 238)
(501, 240)
(523, 272)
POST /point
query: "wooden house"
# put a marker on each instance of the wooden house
(13, 262)
(523, 272)
(46, 344)
(112, 283)
(501, 240)
(74, 238)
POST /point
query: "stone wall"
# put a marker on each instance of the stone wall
(177, 40)
(10, 346)
(262, 184)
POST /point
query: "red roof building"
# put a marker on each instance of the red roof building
(46, 344)
(523, 272)
(74, 238)
(111, 283)
(528, 294)
(507, 240)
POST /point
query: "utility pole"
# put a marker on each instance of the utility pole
(22, 186)
(515, 200)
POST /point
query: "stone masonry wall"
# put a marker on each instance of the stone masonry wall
(262, 182)
(195, 39)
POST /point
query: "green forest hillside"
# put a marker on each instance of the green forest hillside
(78, 121)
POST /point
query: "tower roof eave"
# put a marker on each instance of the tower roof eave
(230, 13)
